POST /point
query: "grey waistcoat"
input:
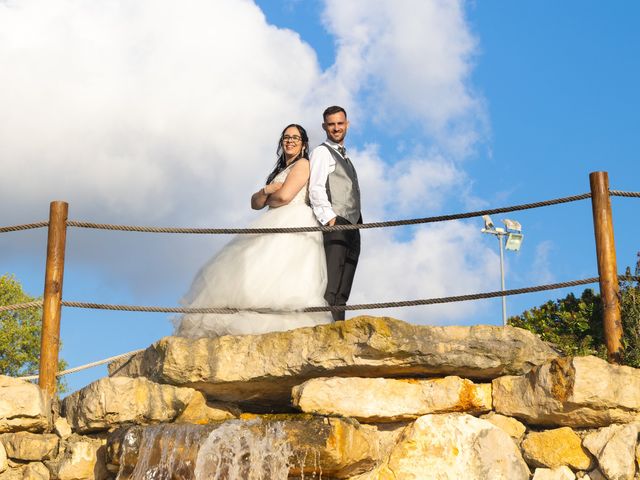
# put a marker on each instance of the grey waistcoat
(343, 189)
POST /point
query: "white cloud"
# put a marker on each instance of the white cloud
(157, 112)
(413, 184)
(145, 108)
(439, 260)
(541, 271)
(411, 61)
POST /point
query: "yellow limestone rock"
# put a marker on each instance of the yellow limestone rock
(3, 458)
(615, 447)
(201, 412)
(23, 406)
(572, 392)
(513, 427)
(451, 446)
(258, 371)
(36, 471)
(83, 457)
(113, 401)
(559, 473)
(554, 448)
(390, 400)
(62, 427)
(28, 446)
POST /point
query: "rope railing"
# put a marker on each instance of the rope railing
(21, 306)
(335, 308)
(392, 223)
(515, 291)
(620, 193)
(58, 220)
(87, 365)
(27, 226)
(361, 226)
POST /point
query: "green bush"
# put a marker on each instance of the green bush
(574, 325)
(20, 333)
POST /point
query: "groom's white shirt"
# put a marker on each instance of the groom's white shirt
(322, 164)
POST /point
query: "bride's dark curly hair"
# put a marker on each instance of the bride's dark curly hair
(281, 163)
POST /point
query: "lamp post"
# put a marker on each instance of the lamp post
(513, 232)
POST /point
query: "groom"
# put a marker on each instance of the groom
(335, 198)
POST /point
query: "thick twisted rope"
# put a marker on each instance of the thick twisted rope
(27, 226)
(362, 226)
(620, 193)
(393, 223)
(88, 365)
(21, 306)
(458, 298)
(335, 308)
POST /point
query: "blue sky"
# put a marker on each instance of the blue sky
(155, 114)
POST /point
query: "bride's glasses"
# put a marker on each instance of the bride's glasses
(291, 139)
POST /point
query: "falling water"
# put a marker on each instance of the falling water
(244, 451)
(166, 452)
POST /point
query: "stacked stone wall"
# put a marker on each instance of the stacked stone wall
(367, 399)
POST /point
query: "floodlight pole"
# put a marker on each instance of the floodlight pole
(499, 233)
(504, 298)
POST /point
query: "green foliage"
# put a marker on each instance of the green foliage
(20, 332)
(630, 313)
(574, 325)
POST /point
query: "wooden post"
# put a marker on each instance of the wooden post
(50, 336)
(607, 269)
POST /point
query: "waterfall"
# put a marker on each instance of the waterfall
(240, 450)
(233, 450)
(167, 452)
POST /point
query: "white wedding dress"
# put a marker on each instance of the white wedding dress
(284, 272)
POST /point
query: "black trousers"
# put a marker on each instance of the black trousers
(342, 249)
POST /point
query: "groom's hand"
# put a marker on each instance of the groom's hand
(332, 222)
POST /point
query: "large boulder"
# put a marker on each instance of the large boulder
(390, 400)
(23, 406)
(80, 458)
(259, 371)
(28, 446)
(555, 448)
(451, 446)
(109, 402)
(614, 447)
(571, 391)
(36, 471)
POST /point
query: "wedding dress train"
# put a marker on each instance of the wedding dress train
(284, 272)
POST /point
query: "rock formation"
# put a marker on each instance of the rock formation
(259, 371)
(367, 399)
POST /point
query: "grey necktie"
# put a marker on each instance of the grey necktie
(343, 152)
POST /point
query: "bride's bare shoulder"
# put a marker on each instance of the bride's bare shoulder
(302, 164)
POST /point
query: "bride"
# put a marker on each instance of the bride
(282, 272)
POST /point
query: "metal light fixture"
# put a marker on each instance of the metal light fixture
(513, 232)
(514, 241)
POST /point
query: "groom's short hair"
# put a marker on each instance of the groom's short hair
(333, 109)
